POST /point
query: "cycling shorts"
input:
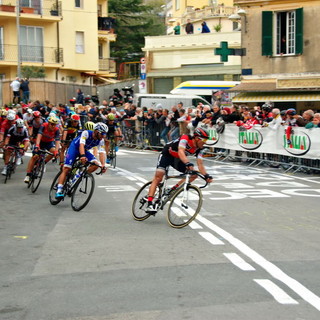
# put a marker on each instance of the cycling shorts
(164, 161)
(73, 153)
(47, 145)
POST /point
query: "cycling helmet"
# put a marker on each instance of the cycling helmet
(89, 125)
(291, 112)
(29, 110)
(201, 133)
(111, 116)
(19, 123)
(53, 119)
(36, 114)
(101, 127)
(266, 107)
(283, 113)
(75, 117)
(4, 112)
(11, 116)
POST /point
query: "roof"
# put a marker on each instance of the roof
(259, 86)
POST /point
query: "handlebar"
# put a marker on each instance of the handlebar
(191, 172)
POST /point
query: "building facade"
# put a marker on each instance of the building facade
(280, 64)
(69, 39)
(172, 59)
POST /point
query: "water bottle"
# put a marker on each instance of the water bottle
(76, 177)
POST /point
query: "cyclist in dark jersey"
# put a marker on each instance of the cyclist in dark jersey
(113, 133)
(70, 131)
(36, 123)
(175, 154)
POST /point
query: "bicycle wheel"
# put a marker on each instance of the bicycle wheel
(53, 190)
(113, 159)
(9, 171)
(36, 175)
(82, 192)
(140, 202)
(184, 206)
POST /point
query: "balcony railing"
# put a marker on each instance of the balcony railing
(106, 23)
(38, 54)
(107, 65)
(38, 7)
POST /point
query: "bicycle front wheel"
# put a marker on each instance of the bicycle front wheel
(82, 192)
(184, 206)
(36, 176)
(53, 190)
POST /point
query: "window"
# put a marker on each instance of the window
(78, 3)
(31, 43)
(287, 36)
(100, 50)
(1, 44)
(177, 4)
(79, 42)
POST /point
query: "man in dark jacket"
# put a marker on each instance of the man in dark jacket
(189, 27)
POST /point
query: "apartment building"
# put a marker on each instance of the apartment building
(281, 63)
(70, 39)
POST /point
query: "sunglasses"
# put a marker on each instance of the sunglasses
(203, 139)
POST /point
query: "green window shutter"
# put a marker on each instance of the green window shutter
(267, 30)
(299, 31)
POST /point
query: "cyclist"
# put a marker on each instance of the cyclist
(48, 138)
(17, 135)
(113, 133)
(70, 131)
(6, 125)
(175, 154)
(36, 123)
(80, 147)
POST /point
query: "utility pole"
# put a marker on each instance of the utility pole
(18, 38)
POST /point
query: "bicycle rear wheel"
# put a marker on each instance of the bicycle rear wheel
(53, 190)
(82, 192)
(184, 206)
(9, 172)
(36, 175)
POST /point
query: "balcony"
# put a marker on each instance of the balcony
(107, 65)
(32, 8)
(106, 29)
(34, 54)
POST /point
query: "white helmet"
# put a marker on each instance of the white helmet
(11, 116)
(101, 127)
(29, 110)
(19, 123)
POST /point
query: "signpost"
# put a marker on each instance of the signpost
(143, 76)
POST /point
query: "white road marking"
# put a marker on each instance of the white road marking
(280, 295)
(239, 262)
(211, 238)
(272, 269)
(194, 225)
(118, 188)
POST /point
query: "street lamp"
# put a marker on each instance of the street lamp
(18, 38)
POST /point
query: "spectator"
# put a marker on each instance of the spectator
(80, 97)
(276, 120)
(189, 27)
(15, 85)
(24, 86)
(174, 131)
(205, 28)
(233, 116)
(307, 117)
(177, 28)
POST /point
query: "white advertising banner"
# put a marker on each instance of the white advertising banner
(305, 143)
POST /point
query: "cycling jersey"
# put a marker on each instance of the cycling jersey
(6, 125)
(185, 141)
(170, 157)
(112, 128)
(48, 136)
(87, 140)
(28, 118)
(71, 129)
(17, 137)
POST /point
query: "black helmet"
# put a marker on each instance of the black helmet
(201, 132)
(291, 112)
(266, 107)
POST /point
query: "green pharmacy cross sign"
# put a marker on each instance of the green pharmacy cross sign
(224, 52)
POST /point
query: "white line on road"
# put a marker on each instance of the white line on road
(211, 238)
(280, 295)
(194, 225)
(272, 269)
(239, 262)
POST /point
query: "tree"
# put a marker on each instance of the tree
(32, 72)
(133, 21)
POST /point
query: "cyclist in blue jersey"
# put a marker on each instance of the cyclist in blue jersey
(80, 147)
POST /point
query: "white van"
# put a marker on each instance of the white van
(166, 101)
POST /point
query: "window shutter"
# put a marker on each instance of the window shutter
(267, 28)
(299, 31)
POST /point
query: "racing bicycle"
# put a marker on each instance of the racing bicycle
(38, 170)
(11, 166)
(79, 185)
(184, 203)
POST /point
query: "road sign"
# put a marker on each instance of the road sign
(143, 76)
(142, 86)
(143, 60)
(143, 68)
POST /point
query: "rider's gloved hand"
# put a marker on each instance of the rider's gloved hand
(189, 166)
(83, 159)
(36, 149)
(208, 178)
(55, 153)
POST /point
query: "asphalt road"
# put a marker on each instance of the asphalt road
(253, 252)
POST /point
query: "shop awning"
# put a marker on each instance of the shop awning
(276, 97)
